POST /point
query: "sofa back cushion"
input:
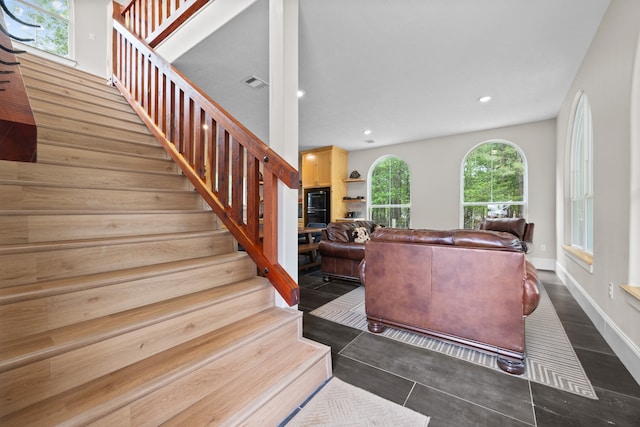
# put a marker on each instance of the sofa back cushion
(343, 231)
(465, 238)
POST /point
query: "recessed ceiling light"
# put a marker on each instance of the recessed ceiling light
(300, 93)
(484, 99)
(367, 131)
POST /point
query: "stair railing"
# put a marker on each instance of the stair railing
(227, 164)
(155, 20)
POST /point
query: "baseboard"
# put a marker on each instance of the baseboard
(624, 348)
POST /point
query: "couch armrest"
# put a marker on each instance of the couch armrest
(531, 293)
(361, 269)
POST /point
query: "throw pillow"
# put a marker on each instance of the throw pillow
(360, 234)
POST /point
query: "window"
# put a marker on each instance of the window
(390, 193)
(494, 180)
(582, 177)
(52, 16)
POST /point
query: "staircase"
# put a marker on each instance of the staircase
(122, 300)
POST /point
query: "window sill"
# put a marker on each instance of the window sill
(632, 293)
(582, 258)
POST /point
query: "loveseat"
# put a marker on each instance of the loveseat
(471, 287)
(340, 254)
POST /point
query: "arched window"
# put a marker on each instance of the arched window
(582, 177)
(390, 193)
(54, 18)
(494, 183)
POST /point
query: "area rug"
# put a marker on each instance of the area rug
(341, 404)
(550, 357)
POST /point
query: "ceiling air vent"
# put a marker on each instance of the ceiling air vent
(255, 82)
(369, 141)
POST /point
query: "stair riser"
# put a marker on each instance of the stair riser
(151, 148)
(15, 197)
(284, 403)
(70, 125)
(37, 381)
(40, 173)
(48, 153)
(42, 314)
(47, 99)
(24, 268)
(230, 405)
(68, 84)
(20, 229)
(153, 409)
(44, 96)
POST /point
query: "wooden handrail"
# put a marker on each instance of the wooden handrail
(154, 21)
(221, 158)
(18, 132)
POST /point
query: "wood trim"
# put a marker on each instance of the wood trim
(581, 255)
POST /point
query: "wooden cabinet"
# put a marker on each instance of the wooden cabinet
(317, 166)
(326, 167)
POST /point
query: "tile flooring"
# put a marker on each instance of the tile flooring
(457, 393)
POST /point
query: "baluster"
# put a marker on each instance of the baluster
(237, 186)
(223, 166)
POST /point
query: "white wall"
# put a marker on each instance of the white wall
(91, 35)
(435, 178)
(606, 76)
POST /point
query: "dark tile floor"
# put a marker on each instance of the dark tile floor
(457, 393)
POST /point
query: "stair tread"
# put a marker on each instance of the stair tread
(102, 150)
(103, 241)
(101, 396)
(24, 350)
(79, 283)
(237, 401)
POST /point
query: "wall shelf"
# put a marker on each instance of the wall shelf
(348, 180)
(355, 201)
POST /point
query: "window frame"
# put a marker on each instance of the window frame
(370, 206)
(70, 31)
(581, 176)
(525, 177)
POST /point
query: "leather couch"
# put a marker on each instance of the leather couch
(340, 255)
(471, 287)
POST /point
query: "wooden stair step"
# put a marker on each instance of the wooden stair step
(77, 354)
(48, 261)
(91, 177)
(79, 156)
(100, 142)
(38, 197)
(305, 365)
(37, 227)
(126, 133)
(31, 309)
(68, 79)
(145, 388)
(87, 116)
(45, 96)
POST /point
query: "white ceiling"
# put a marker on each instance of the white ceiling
(406, 69)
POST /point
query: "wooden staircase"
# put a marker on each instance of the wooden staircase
(122, 301)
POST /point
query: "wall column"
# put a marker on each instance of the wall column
(283, 120)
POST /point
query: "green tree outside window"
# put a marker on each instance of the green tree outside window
(390, 193)
(494, 183)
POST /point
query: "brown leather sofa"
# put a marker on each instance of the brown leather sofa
(470, 287)
(340, 255)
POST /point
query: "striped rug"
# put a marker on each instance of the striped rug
(341, 404)
(550, 357)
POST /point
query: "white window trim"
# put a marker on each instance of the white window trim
(587, 167)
